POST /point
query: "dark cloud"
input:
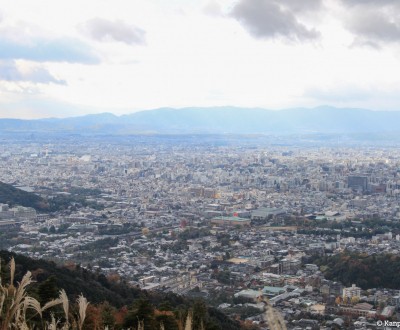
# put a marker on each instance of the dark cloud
(374, 25)
(104, 30)
(370, 2)
(270, 18)
(10, 72)
(301, 5)
(44, 50)
(373, 22)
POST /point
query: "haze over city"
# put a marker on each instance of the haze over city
(68, 58)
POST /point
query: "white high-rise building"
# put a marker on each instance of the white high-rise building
(352, 291)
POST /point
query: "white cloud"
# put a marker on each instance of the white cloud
(213, 8)
(198, 53)
(10, 71)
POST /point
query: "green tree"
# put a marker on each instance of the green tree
(48, 289)
(107, 315)
(199, 314)
(142, 310)
(168, 321)
(44, 230)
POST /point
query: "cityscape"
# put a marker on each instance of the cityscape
(228, 222)
(200, 165)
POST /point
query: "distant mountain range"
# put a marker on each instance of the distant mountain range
(218, 120)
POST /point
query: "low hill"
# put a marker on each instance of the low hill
(366, 271)
(77, 196)
(14, 196)
(74, 280)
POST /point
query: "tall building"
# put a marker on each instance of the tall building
(357, 182)
(290, 265)
(352, 291)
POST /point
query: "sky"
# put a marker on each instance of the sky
(66, 58)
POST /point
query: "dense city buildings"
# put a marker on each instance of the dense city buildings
(232, 222)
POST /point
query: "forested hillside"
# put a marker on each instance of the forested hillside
(112, 301)
(367, 271)
(14, 196)
(76, 196)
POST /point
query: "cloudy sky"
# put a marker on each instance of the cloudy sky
(63, 58)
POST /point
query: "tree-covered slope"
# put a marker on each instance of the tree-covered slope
(112, 300)
(366, 271)
(14, 196)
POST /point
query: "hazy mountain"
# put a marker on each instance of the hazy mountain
(218, 120)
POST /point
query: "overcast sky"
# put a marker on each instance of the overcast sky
(62, 58)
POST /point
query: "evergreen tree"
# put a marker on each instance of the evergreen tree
(48, 290)
(168, 321)
(142, 310)
(199, 314)
(107, 315)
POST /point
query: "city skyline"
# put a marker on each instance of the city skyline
(140, 55)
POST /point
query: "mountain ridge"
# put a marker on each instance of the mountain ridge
(217, 120)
